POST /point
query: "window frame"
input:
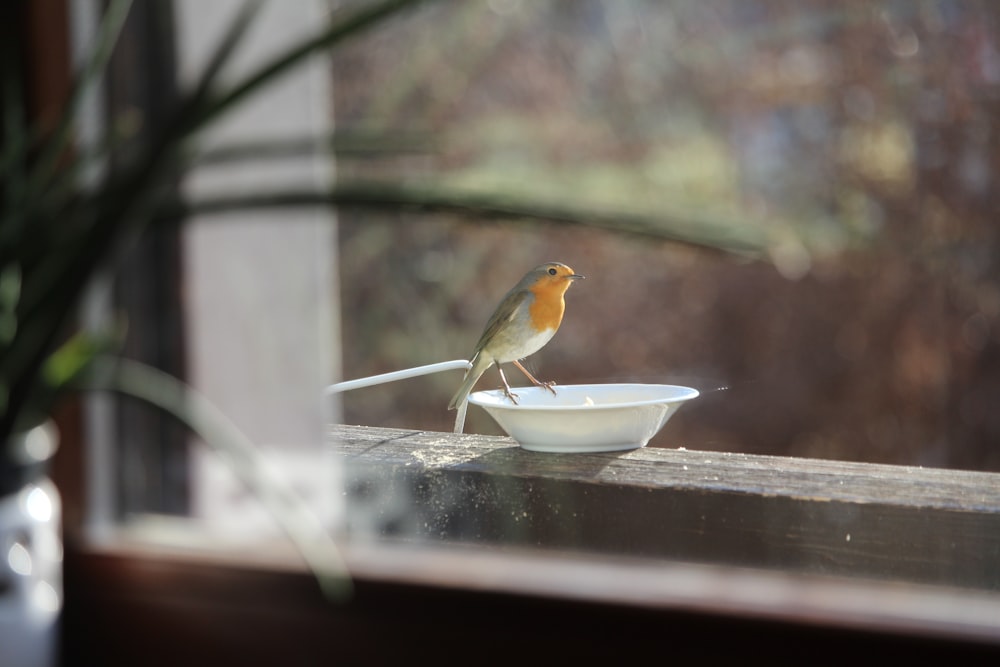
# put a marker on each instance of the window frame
(226, 602)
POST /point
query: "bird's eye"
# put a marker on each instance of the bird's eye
(552, 272)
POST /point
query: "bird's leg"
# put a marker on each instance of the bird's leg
(546, 385)
(506, 387)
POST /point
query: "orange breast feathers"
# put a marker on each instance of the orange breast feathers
(546, 309)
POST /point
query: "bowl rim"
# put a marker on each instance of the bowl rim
(688, 394)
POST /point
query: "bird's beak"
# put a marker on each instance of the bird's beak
(576, 276)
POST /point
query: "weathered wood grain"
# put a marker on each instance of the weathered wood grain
(816, 479)
(887, 522)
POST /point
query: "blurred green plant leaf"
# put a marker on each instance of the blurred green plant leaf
(148, 384)
(696, 230)
(63, 370)
(58, 230)
(58, 141)
(10, 294)
(71, 360)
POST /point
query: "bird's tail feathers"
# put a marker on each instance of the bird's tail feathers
(479, 366)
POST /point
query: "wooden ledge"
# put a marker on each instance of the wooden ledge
(813, 479)
(692, 555)
(917, 525)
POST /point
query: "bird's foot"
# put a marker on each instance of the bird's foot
(550, 385)
(544, 385)
(511, 395)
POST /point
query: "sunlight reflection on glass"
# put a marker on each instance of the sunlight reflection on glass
(38, 505)
(19, 559)
(45, 597)
(40, 442)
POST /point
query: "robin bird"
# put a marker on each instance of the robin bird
(526, 319)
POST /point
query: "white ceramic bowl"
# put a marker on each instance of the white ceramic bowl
(584, 417)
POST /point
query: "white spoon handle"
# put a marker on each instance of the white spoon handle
(348, 385)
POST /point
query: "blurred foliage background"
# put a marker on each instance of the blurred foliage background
(856, 140)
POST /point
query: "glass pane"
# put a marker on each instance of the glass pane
(830, 169)
(785, 206)
(850, 145)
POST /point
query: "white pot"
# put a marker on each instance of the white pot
(30, 554)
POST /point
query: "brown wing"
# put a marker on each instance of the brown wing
(501, 316)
